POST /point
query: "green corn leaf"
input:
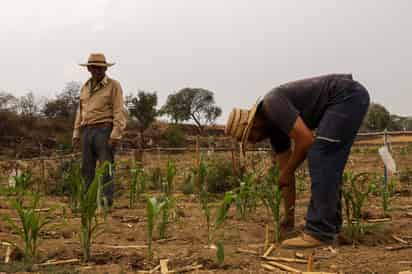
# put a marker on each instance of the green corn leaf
(220, 253)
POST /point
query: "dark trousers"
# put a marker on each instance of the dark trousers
(94, 145)
(327, 159)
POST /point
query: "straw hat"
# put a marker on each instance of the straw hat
(97, 59)
(240, 123)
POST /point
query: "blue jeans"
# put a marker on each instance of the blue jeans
(95, 148)
(327, 159)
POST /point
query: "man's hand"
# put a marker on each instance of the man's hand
(113, 143)
(286, 178)
(76, 143)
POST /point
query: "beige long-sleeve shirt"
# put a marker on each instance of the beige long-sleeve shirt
(102, 104)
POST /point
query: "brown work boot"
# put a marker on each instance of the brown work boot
(302, 241)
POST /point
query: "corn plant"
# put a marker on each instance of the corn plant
(355, 194)
(73, 179)
(200, 176)
(21, 186)
(220, 252)
(388, 189)
(137, 185)
(221, 215)
(271, 196)
(153, 208)
(246, 196)
(167, 204)
(88, 205)
(31, 224)
(168, 183)
(156, 178)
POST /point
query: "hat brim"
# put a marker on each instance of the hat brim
(250, 122)
(97, 64)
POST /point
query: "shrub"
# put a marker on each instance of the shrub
(221, 177)
(175, 137)
(188, 186)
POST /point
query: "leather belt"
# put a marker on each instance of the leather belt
(99, 125)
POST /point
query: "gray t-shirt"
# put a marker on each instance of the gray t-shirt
(306, 98)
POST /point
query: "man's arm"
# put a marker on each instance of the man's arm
(303, 140)
(119, 114)
(288, 191)
(76, 129)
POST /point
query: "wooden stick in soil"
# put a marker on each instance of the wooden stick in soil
(269, 267)
(71, 261)
(124, 247)
(149, 271)
(163, 266)
(395, 248)
(284, 267)
(251, 252)
(186, 269)
(399, 239)
(310, 263)
(268, 251)
(8, 254)
(286, 260)
(379, 220)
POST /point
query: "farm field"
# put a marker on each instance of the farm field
(383, 246)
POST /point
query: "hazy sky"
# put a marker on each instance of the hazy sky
(239, 49)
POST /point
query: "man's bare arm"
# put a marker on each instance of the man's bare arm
(303, 140)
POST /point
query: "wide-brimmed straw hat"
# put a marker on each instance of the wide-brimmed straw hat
(240, 123)
(97, 59)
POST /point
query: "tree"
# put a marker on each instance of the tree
(7, 101)
(143, 108)
(195, 104)
(377, 118)
(27, 106)
(66, 103)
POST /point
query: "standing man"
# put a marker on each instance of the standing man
(100, 121)
(335, 106)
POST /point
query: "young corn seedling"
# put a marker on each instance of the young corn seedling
(153, 209)
(221, 217)
(166, 206)
(387, 191)
(199, 176)
(73, 179)
(137, 185)
(246, 196)
(271, 196)
(31, 225)
(355, 194)
(89, 199)
(168, 183)
(22, 183)
(156, 178)
(167, 199)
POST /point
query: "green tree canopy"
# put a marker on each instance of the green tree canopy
(194, 104)
(378, 118)
(143, 108)
(66, 103)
